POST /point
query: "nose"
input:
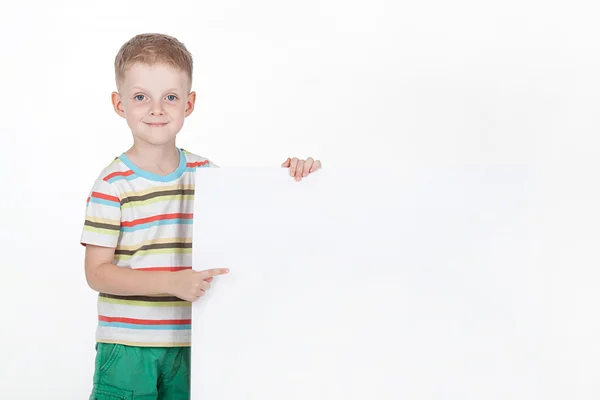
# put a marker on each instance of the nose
(156, 109)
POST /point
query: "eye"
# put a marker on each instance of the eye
(171, 97)
(139, 97)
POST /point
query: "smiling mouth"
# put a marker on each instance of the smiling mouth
(156, 124)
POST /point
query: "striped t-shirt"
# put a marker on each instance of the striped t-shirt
(147, 218)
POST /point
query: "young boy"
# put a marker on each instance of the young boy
(138, 231)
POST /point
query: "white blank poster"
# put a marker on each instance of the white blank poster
(366, 284)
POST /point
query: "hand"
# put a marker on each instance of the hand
(190, 285)
(301, 168)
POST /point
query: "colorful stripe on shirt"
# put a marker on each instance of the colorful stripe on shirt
(156, 220)
(191, 166)
(135, 323)
(143, 301)
(104, 199)
(151, 196)
(116, 176)
(102, 225)
(155, 246)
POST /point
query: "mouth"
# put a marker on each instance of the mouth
(156, 124)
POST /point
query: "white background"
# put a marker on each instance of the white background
(394, 84)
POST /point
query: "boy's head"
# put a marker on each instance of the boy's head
(153, 73)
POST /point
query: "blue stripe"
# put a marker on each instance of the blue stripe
(155, 177)
(155, 223)
(119, 177)
(146, 327)
(105, 202)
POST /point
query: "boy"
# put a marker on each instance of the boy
(138, 230)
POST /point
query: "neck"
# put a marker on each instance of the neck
(154, 153)
(162, 159)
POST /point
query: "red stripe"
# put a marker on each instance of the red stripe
(167, 269)
(99, 195)
(156, 218)
(145, 321)
(124, 173)
(197, 163)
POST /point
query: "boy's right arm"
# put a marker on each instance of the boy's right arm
(105, 277)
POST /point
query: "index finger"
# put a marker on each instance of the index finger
(208, 273)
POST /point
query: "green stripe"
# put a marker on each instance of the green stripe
(146, 303)
(153, 251)
(157, 199)
(100, 230)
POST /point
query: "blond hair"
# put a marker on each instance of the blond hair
(153, 48)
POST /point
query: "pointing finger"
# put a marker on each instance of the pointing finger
(209, 273)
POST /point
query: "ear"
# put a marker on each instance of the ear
(118, 104)
(191, 101)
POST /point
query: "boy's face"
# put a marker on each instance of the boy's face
(155, 100)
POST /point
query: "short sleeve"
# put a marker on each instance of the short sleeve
(213, 165)
(102, 216)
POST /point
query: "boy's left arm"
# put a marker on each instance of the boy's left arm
(301, 168)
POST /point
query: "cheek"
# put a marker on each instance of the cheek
(176, 110)
(136, 111)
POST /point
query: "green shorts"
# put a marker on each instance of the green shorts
(141, 373)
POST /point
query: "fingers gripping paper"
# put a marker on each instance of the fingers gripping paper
(363, 285)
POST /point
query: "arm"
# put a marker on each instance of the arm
(105, 277)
